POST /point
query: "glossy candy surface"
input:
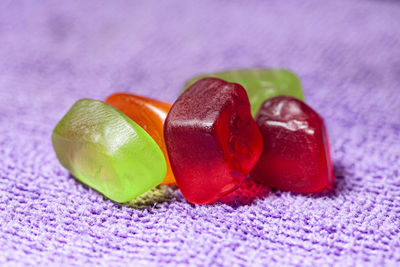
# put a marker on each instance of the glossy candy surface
(150, 114)
(106, 150)
(212, 140)
(296, 154)
(260, 84)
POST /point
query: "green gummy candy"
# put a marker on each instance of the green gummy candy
(106, 150)
(260, 84)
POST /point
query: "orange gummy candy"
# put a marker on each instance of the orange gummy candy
(150, 114)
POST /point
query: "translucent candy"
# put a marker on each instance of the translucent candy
(212, 140)
(260, 84)
(150, 114)
(296, 155)
(106, 150)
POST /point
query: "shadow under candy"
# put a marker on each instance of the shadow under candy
(246, 194)
(158, 195)
(340, 173)
(251, 190)
(150, 199)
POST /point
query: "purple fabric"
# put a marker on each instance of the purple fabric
(347, 54)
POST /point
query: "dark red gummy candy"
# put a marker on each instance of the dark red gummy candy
(212, 140)
(296, 154)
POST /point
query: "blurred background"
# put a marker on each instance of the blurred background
(92, 48)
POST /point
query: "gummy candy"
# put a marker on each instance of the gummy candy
(150, 114)
(106, 150)
(212, 140)
(296, 155)
(260, 84)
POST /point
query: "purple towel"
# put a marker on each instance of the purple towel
(347, 54)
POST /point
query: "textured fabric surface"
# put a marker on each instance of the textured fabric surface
(347, 54)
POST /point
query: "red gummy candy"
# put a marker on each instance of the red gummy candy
(296, 154)
(212, 140)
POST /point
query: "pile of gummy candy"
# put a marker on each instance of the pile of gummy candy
(207, 142)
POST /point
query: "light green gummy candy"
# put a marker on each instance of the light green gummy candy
(260, 84)
(106, 150)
